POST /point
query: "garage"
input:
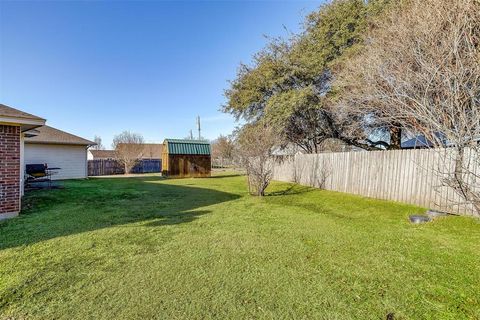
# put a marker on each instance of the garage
(58, 149)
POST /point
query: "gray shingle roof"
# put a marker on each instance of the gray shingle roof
(103, 154)
(420, 142)
(152, 151)
(49, 135)
(6, 111)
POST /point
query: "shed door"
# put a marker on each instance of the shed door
(180, 166)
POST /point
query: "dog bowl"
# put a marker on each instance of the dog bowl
(415, 218)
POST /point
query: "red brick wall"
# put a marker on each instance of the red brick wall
(9, 169)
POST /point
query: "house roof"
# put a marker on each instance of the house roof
(49, 135)
(421, 142)
(152, 151)
(195, 147)
(417, 142)
(26, 120)
(103, 154)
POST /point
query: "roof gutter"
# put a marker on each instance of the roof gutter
(25, 123)
(59, 143)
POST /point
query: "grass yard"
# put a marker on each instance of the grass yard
(202, 248)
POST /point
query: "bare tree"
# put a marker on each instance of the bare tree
(128, 148)
(420, 71)
(98, 143)
(321, 171)
(222, 150)
(255, 144)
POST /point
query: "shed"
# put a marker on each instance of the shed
(186, 158)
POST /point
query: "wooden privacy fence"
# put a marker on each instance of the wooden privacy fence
(410, 176)
(148, 166)
(103, 167)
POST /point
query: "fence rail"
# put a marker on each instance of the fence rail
(410, 176)
(103, 167)
(148, 166)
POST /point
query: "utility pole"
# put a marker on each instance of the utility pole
(199, 130)
(191, 134)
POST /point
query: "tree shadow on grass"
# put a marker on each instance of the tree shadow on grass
(224, 176)
(175, 219)
(291, 189)
(101, 203)
(341, 206)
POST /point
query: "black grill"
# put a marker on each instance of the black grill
(36, 170)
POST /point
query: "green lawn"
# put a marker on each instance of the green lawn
(202, 248)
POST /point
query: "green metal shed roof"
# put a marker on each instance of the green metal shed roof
(179, 146)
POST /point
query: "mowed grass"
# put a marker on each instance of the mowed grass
(150, 248)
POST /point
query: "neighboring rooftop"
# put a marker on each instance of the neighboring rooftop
(152, 151)
(49, 135)
(183, 146)
(418, 142)
(103, 154)
(421, 142)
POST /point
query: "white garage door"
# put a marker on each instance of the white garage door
(71, 159)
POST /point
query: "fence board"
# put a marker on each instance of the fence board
(409, 176)
(104, 167)
(101, 167)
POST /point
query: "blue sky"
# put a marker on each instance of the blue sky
(98, 68)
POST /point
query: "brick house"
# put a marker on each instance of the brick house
(13, 124)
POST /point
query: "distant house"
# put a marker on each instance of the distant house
(58, 149)
(101, 154)
(150, 151)
(149, 161)
(328, 145)
(421, 142)
(416, 142)
(186, 158)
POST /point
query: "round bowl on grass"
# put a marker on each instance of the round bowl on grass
(415, 218)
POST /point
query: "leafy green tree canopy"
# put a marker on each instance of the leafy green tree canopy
(288, 84)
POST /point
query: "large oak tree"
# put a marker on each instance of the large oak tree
(288, 84)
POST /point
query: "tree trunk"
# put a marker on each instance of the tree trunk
(395, 137)
(461, 185)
